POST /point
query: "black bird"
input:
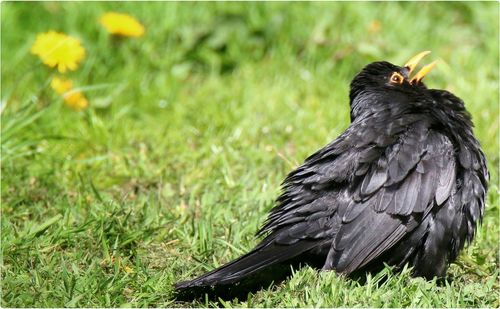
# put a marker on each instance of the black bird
(405, 183)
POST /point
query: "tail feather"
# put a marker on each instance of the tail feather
(251, 265)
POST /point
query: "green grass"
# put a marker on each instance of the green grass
(189, 133)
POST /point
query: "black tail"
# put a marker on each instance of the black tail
(246, 274)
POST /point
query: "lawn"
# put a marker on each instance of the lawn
(188, 133)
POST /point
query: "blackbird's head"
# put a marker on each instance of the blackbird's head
(382, 81)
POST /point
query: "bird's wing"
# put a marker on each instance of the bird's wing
(419, 175)
(365, 198)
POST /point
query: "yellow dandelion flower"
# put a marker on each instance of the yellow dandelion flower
(61, 85)
(58, 49)
(122, 24)
(76, 100)
(72, 98)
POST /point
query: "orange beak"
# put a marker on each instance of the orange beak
(412, 64)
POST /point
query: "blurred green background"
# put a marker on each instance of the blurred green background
(190, 130)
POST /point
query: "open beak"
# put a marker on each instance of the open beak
(424, 71)
(412, 64)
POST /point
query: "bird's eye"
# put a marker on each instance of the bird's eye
(396, 78)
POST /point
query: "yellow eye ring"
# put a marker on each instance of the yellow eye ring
(396, 78)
